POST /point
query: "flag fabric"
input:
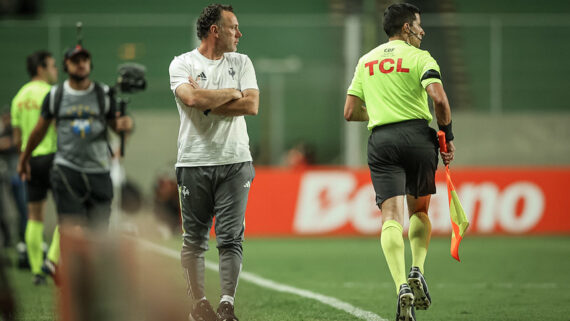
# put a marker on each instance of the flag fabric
(459, 222)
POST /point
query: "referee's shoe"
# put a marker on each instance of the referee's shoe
(417, 282)
(406, 311)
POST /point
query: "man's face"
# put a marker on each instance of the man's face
(417, 33)
(49, 73)
(78, 67)
(229, 33)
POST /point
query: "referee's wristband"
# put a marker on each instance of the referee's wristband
(447, 130)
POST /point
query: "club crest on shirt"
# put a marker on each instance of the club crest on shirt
(232, 72)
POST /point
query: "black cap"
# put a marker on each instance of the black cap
(76, 51)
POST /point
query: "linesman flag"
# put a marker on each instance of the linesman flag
(459, 222)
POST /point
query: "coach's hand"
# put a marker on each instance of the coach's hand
(448, 157)
(193, 83)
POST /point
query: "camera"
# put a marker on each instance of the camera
(131, 78)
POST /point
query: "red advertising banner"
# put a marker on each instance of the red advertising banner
(340, 201)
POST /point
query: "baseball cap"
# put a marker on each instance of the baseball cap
(76, 51)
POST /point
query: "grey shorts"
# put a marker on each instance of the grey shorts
(214, 191)
(403, 159)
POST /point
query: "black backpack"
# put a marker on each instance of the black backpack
(100, 103)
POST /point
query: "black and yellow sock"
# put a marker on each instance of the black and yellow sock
(34, 240)
(393, 247)
(419, 234)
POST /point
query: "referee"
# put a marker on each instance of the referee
(389, 90)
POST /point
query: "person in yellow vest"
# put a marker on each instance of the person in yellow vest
(25, 111)
(389, 91)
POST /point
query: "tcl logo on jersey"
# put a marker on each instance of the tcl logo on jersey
(28, 105)
(386, 66)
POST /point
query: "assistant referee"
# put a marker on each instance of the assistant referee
(26, 109)
(389, 90)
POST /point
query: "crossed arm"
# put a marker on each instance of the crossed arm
(226, 102)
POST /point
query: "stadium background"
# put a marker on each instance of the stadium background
(503, 64)
(504, 67)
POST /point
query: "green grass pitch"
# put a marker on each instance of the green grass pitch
(499, 278)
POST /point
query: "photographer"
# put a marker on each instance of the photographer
(82, 110)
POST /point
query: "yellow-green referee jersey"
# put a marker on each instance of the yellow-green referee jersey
(390, 80)
(26, 110)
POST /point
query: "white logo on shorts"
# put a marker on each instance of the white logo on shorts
(247, 184)
(185, 191)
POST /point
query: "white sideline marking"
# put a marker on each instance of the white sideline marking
(269, 284)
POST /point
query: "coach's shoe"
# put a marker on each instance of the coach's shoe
(203, 311)
(417, 282)
(405, 310)
(39, 279)
(226, 312)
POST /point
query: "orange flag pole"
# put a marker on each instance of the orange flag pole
(459, 222)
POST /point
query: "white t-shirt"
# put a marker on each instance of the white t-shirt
(212, 139)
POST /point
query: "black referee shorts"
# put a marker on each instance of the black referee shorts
(403, 159)
(39, 183)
